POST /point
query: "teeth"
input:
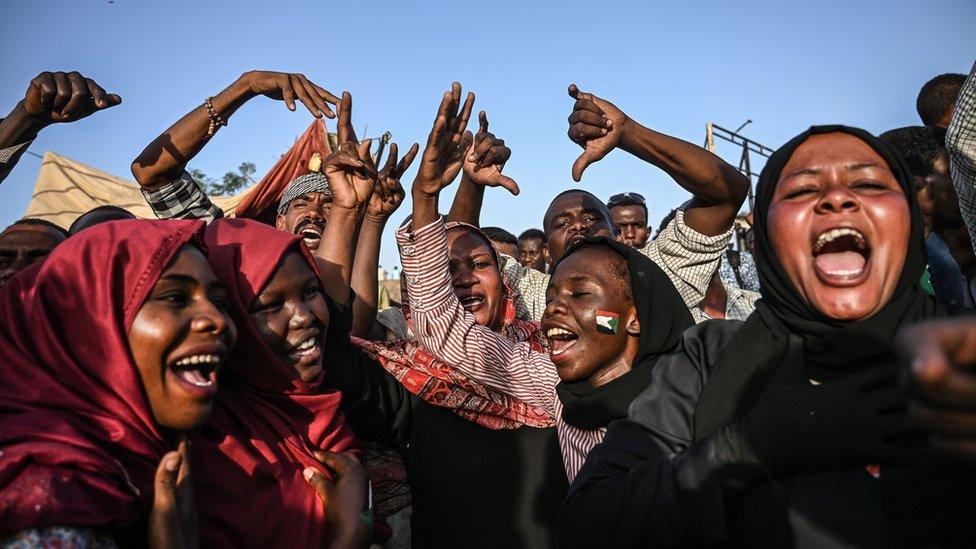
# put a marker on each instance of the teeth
(306, 345)
(198, 359)
(552, 332)
(834, 234)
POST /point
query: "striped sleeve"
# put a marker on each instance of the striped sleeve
(451, 334)
(687, 256)
(961, 142)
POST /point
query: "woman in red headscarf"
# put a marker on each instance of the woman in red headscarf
(272, 420)
(110, 348)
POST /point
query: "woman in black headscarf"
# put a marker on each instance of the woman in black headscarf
(788, 429)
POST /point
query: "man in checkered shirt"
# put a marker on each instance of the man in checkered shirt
(961, 142)
(171, 191)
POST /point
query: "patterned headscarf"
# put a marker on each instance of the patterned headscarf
(313, 182)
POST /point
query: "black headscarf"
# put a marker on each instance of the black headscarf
(827, 348)
(663, 316)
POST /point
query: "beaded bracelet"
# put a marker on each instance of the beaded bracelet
(215, 119)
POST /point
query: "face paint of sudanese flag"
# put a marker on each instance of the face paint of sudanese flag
(606, 322)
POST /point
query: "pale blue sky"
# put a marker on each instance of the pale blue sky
(671, 65)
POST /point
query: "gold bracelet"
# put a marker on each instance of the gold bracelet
(215, 119)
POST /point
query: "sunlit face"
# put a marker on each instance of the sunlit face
(839, 224)
(306, 216)
(292, 316)
(179, 340)
(533, 253)
(475, 277)
(572, 217)
(631, 224)
(23, 244)
(591, 280)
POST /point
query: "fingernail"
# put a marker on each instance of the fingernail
(172, 463)
(308, 473)
(604, 130)
(918, 366)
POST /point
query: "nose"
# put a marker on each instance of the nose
(555, 307)
(210, 319)
(301, 316)
(837, 198)
(463, 278)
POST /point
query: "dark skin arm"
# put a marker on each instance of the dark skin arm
(165, 159)
(351, 180)
(344, 498)
(387, 197)
(719, 190)
(53, 98)
(482, 168)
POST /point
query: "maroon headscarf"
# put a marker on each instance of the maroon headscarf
(248, 461)
(78, 441)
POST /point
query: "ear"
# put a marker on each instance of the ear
(545, 253)
(280, 222)
(633, 325)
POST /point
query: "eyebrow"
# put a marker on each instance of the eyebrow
(187, 279)
(849, 167)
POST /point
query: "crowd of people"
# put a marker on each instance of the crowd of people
(197, 380)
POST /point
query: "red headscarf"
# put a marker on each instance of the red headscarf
(78, 441)
(248, 461)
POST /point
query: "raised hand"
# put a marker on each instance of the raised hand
(388, 193)
(54, 97)
(350, 170)
(446, 144)
(941, 380)
(346, 499)
(486, 158)
(596, 125)
(289, 87)
(173, 520)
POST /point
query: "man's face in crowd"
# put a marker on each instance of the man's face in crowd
(631, 224)
(590, 280)
(475, 277)
(572, 217)
(23, 244)
(937, 197)
(533, 253)
(292, 316)
(839, 224)
(306, 216)
(180, 338)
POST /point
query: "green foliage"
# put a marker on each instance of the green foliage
(231, 184)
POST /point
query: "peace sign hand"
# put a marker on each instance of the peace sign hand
(388, 193)
(350, 169)
(596, 125)
(446, 144)
(486, 158)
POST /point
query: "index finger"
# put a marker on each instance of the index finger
(461, 124)
(406, 160)
(391, 159)
(482, 122)
(324, 93)
(344, 129)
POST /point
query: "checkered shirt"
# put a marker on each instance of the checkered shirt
(182, 199)
(10, 156)
(961, 142)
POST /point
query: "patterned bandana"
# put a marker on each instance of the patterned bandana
(313, 182)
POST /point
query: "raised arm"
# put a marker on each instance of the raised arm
(164, 160)
(51, 98)
(482, 168)
(352, 179)
(387, 197)
(718, 188)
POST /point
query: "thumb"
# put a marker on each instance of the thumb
(467, 141)
(581, 164)
(318, 481)
(509, 184)
(167, 475)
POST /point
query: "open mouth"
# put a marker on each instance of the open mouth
(573, 240)
(560, 341)
(472, 302)
(311, 234)
(305, 348)
(841, 255)
(199, 371)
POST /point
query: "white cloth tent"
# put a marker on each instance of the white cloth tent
(66, 189)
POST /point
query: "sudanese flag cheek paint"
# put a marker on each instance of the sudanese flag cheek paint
(607, 322)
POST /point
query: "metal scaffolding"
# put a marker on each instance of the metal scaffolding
(748, 146)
